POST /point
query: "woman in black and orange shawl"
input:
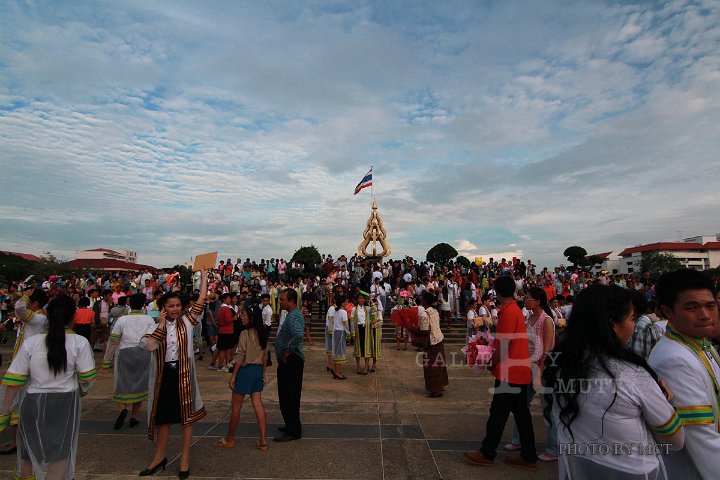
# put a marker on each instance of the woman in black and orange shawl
(174, 395)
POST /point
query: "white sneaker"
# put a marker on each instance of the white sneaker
(222, 369)
(212, 367)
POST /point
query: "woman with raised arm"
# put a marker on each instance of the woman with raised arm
(171, 400)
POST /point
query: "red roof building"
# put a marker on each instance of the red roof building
(699, 254)
(108, 264)
(662, 246)
(26, 256)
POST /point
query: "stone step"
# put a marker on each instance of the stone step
(456, 335)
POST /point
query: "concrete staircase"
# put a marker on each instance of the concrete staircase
(455, 335)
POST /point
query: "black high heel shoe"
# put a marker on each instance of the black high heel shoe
(151, 471)
(184, 474)
(121, 419)
(328, 369)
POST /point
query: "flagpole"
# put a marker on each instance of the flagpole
(372, 195)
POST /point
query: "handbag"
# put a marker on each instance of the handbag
(421, 339)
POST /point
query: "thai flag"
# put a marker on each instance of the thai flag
(365, 182)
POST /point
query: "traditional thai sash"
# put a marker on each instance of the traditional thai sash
(23, 320)
(273, 300)
(369, 318)
(698, 414)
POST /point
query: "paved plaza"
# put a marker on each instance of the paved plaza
(366, 427)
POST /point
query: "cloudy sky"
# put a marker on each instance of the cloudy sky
(517, 128)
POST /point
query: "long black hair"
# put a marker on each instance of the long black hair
(256, 322)
(589, 340)
(61, 311)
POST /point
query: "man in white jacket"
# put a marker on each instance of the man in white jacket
(687, 361)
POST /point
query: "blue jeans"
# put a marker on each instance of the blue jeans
(551, 444)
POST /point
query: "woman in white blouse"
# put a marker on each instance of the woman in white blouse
(170, 402)
(488, 312)
(131, 360)
(609, 406)
(434, 366)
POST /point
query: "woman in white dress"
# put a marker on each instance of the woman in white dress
(489, 313)
(56, 367)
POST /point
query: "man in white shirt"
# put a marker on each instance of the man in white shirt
(146, 275)
(519, 283)
(377, 274)
(685, 359)
(376, 289)
(343, 276)
(453, 297)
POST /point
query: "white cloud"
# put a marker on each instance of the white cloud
(245, 128)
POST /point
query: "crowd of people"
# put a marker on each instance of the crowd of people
(550, 329)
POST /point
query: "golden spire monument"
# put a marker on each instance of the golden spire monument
(374, 235)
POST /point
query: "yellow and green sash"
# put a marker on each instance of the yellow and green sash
(698, 414)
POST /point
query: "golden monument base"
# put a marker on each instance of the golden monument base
(374, 236)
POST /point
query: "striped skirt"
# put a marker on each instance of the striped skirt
(132, 369)
(339, 353)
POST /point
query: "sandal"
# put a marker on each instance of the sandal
(222, 443)
(546, 457)
(261, 446)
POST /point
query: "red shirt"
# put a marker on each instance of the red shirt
(511, 339)
(225, 320)
(550, 292)
(84, 316)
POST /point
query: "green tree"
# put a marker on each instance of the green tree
(52, 266)
(463, 261)
(309, 257)
(575, 255)
(186, 276)
(595, 260)
(14, 268)
(441, 253)
(658, 263)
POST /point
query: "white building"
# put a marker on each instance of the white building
(611, 261)
(106, 254)
(699, 253)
